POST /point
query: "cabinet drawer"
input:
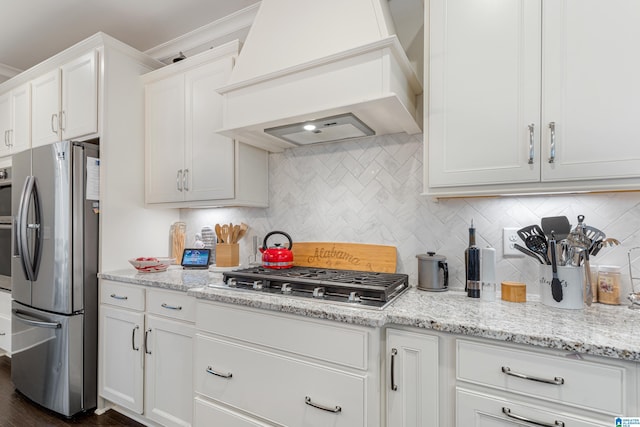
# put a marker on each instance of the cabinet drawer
(579, 383)
(177, 305)
(278, 388)
(5, 334)
(483, 410)
(327, 341)
(5, 303)
(122, 295)
(207, 414)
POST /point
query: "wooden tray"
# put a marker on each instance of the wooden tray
(345, 256)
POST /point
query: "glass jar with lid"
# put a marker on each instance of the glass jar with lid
(609, 284)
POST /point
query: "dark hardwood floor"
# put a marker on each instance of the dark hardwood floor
(17, 411)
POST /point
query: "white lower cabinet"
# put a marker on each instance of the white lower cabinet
(501, 385)
(5, 322)
(146, 341)
(276, 369)
(413, 379)
(475, 409)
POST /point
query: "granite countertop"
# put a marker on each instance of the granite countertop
(600, 330)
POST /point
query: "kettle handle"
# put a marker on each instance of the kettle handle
(264, 243)
(445, 269)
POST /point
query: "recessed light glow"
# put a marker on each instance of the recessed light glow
(309, 127)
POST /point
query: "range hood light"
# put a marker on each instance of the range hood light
(334, 128)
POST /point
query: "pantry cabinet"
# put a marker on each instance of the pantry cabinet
(146, 340)
(532, 96)
(14, 120)
(187, 162)
(64, 103)
(413, 388)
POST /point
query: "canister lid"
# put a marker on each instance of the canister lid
(431, 256)
(609, 268)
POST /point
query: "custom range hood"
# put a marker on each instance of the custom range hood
(317, 71)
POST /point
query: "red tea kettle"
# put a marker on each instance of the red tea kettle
(277, 257)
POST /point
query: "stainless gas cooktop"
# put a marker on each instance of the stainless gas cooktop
(364, 289)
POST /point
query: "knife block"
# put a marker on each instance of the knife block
(227, 254)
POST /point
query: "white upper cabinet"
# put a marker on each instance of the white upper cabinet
(532, 96)
(65, 101)
(14, 120)
(187, 162)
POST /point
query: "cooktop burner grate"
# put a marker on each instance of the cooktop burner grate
(362, 288)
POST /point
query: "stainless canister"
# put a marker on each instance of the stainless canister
(433, 272)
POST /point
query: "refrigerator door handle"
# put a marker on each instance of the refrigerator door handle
(30, 262)
(35, 322)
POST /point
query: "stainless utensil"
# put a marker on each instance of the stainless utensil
(582, 244)
(538, 244)
(528, 252)
(530, 230)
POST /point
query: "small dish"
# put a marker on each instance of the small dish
(151, 264)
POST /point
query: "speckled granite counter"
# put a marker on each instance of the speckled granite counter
(600, 330)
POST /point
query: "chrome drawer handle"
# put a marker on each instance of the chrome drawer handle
(531, 147)
(114, 296)
(508, 413)
(133, 338)
(552, 131)
(394, 353)
(171, 307)
(219, 374)
(554, 381)
(2, 334)
(146, 337)
(335, 410)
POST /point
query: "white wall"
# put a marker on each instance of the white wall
(368, 191)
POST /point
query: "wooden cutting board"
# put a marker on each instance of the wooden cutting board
(345, 256)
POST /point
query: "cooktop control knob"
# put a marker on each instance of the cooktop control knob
(318, 292)
(286, 288)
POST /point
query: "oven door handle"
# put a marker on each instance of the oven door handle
(6, 226)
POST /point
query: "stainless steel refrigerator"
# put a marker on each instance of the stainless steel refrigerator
(54, 285)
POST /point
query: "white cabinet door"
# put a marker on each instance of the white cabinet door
(164, 149)
(79, 114)
(484, 92)
(168, 371)
(412, 380)
(5, 124)
(590, 89)
(45, 108)
(209, 157)
(121, 349)
(475, 409)
(21, 118)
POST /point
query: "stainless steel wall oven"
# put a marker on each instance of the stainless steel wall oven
(5, 228)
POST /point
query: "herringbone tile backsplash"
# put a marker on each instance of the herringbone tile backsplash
(368, 191)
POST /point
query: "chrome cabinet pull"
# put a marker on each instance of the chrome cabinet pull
(508, 413)
(554, 381)
(335, 410)
(219, 374)
(146, 337)
(171, 307)
(133, 339)
(63, 120)
(10, 137)
(114, 296)
(394, 353)
(2, 334)
(552, 130)
(54, 118)
(531, 149)
(185, 180)
(179, 180)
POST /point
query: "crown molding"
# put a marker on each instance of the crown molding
(206, 35)
(8, 71)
